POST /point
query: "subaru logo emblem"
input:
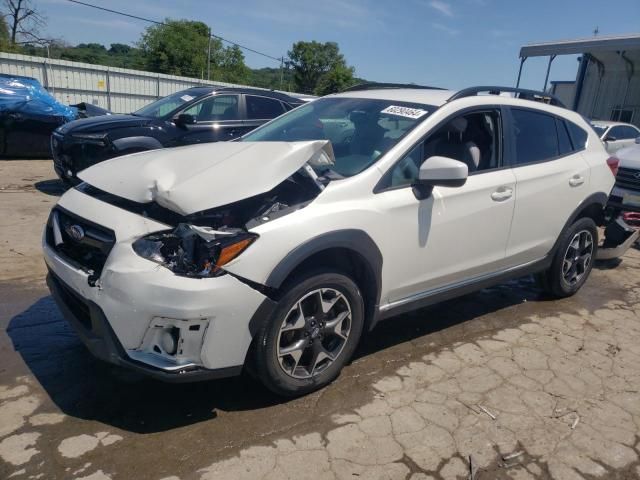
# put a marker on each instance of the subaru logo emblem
(76, 232)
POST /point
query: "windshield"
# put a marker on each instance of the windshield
(165, 105)
(599, 129)
(360, 130)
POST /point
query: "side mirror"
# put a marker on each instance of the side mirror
(184, 119)
(439, 171)
(610, 138)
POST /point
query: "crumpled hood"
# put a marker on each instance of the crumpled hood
(195, 178)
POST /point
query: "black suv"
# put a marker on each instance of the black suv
(195, 115)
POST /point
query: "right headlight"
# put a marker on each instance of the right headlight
(193, 251)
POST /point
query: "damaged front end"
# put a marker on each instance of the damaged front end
(194, 251)
(203, 242)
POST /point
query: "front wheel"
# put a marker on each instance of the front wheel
(573, 260)
(311, 335)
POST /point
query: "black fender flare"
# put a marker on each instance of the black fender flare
(145, 143)
(600, 199)
(358, 241)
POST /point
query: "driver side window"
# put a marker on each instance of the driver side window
(472, 138)
(215, 108)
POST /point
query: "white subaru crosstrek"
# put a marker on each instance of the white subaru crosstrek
(279, 251)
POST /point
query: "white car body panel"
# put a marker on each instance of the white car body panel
(498, 221)
(133, 291)
(195, 178)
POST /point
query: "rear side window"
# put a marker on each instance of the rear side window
(262, 108)
(624, 133)
(578, 136)
(564, 142)
(535, 135)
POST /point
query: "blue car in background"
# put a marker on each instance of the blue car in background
(28, 115)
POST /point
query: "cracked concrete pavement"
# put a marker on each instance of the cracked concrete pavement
(503, 382)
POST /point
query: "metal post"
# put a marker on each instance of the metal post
(108, 90)
(209, 57)
(546, 78)
(522, 60)
(281, 71)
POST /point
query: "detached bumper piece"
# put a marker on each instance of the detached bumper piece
(618, 238)
(92, 326)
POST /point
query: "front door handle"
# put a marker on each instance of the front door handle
(576, 180)
(502, 194)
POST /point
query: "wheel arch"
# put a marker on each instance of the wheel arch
(142, 142)
(350, 251)
(591, 207)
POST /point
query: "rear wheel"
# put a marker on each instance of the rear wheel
(311, 335)
(573, 260)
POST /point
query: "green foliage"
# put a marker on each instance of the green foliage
(319, 68)
(178, 47)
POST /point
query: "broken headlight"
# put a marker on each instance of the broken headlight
(193, 251)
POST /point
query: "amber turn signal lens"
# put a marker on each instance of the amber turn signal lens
(230, 252)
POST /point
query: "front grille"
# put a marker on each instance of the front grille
(75, 303)
(79, 241)
(628, 178)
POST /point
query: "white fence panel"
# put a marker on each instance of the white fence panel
(117, 89)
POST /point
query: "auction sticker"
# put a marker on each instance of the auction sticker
(404, 111)
(186, 98)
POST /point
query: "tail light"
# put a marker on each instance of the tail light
(613, 164)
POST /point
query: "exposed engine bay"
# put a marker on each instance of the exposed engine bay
(205, 241)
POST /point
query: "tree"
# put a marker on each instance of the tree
(178, 47)
(4, 35)
(311, 61)
(335, 80)
(229, 66)
(23, 19)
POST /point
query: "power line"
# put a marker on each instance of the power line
(163, 23)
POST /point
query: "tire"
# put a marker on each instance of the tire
(297, 354)
(573, 260)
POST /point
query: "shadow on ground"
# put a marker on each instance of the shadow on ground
(86, 388)
(54, 187)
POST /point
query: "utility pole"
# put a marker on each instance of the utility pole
(209, 57)
(281, 72)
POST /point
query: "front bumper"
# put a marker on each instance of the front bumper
(122, 317)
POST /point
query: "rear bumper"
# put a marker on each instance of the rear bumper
(92, 326)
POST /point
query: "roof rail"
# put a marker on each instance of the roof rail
(375, 86)
(523, 93)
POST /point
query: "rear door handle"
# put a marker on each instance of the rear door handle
(502, 194)
(576, 180)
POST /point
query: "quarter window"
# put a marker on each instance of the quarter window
(262, 108)
(535, 135)
(578, 136)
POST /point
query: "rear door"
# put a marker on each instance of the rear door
(552, 179)
(218, 118)
(260, 110)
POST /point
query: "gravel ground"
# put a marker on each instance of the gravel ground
(502, 382)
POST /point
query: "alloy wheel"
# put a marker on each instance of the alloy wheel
(314, 333)
(577, 258)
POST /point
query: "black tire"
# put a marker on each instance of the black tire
(267, 366)
(554, 281)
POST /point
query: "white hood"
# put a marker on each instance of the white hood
(195, 178)
(629, 157)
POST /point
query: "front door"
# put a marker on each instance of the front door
(218, 118)
(456, 235)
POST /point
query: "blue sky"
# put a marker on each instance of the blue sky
(448, 43)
